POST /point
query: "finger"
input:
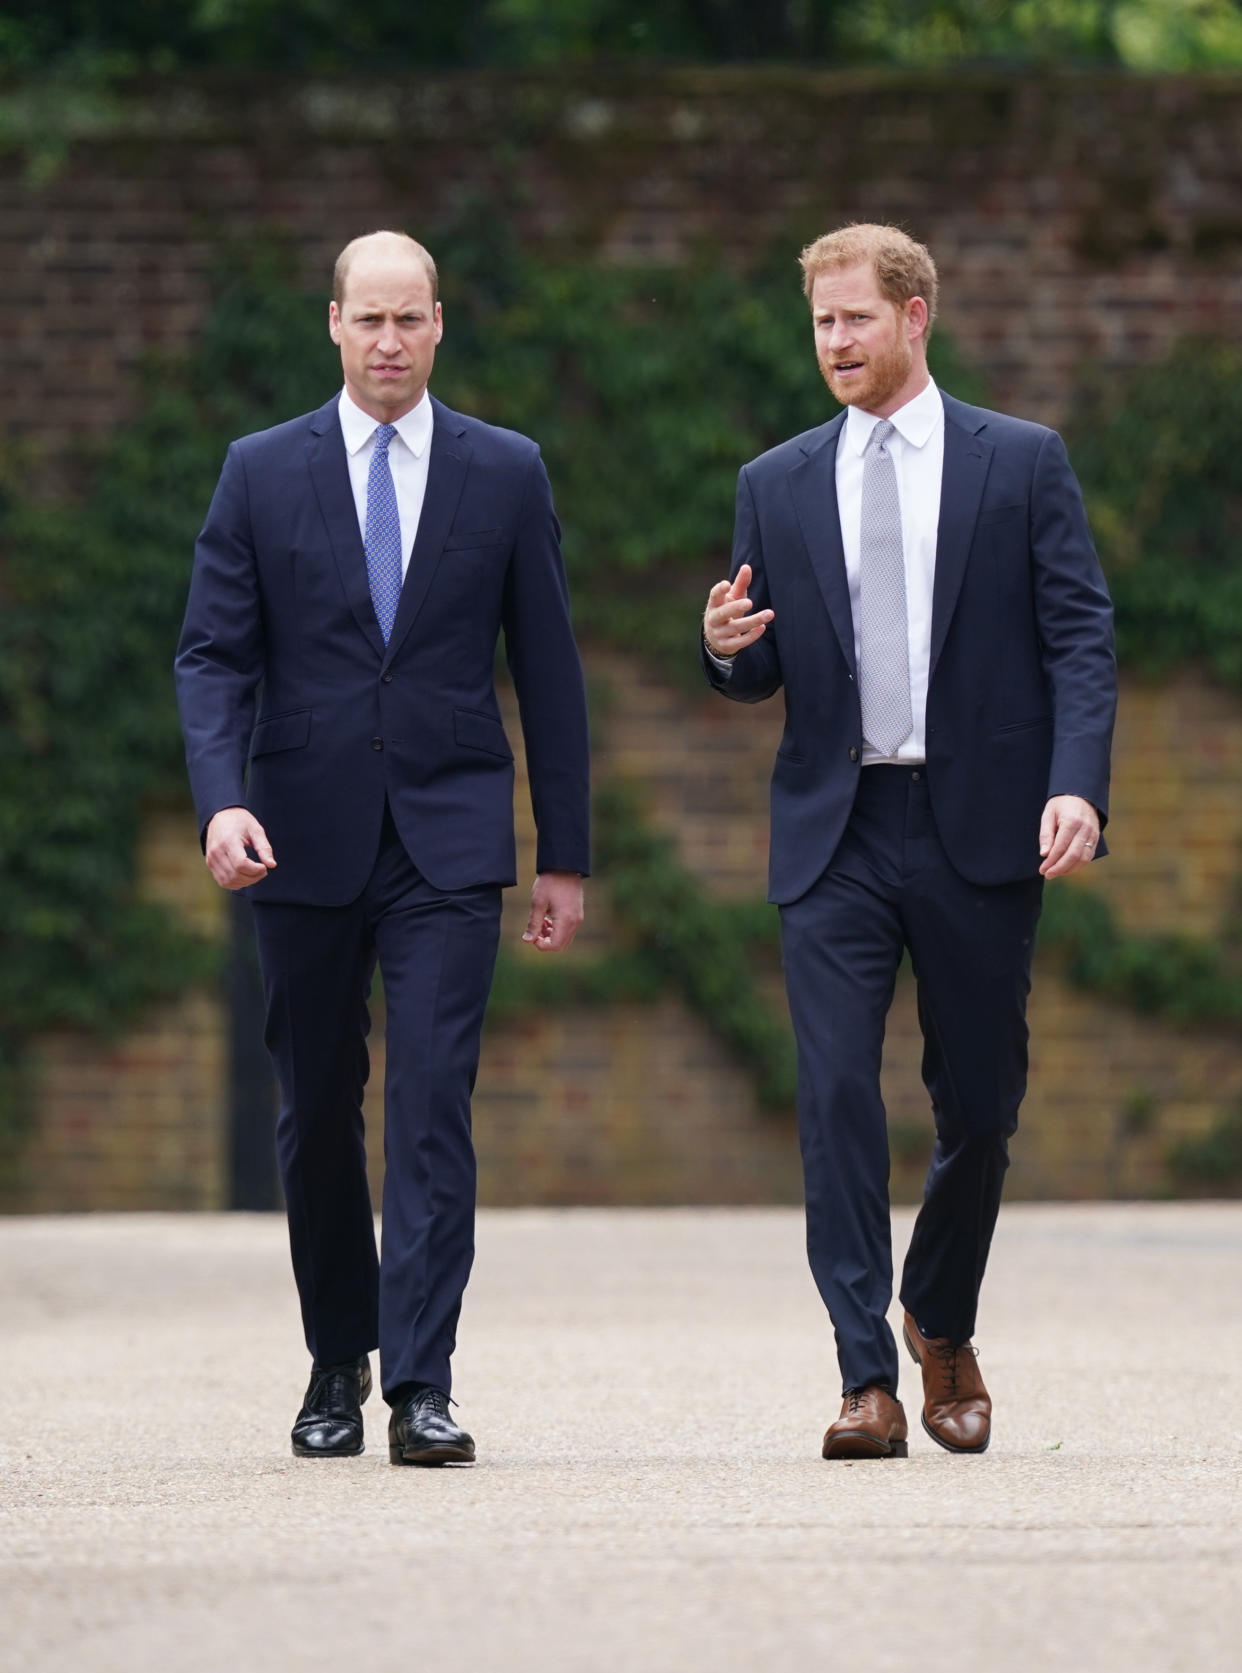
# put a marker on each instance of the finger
(538, 917)
(256, 838)
(241, 867)
(1073, 861)
(232, 874)
(1047, 829)
(1063, 847)
(717, 594)
(744, 628)
(556, 933)
(741, 581)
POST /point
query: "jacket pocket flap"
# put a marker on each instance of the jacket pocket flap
(461, 540)
(480, 731)
(289, 731)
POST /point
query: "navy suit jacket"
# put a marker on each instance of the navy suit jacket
(293, 707)
(1022, 687)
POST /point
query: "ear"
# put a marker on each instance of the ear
(916, 318)
(439, 322)
(334, 322)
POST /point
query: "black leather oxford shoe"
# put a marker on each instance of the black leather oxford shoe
(420, 1431)
(330, 1422)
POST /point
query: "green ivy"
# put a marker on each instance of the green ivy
(1213, 1160)
(672, 938)
(1178, 978)
(646, 388)
(1157, 453)
(93, 590)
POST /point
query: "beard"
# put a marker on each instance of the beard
(883, 372)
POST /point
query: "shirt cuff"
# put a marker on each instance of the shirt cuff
(723, 664)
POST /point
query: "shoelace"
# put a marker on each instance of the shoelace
(854, 1396)
(431, 1399)
(335, 1390)
(947, 1354)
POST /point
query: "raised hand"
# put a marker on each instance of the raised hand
(727, 628)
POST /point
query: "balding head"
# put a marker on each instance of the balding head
(382, 252)
(386, 322)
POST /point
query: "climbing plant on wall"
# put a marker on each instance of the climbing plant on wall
(646, 389)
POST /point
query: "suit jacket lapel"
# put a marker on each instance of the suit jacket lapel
(446, 474)
(966, 460)
(329, 472)
(813, 483)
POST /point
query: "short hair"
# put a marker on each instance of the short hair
(340, 272)
(903, 267)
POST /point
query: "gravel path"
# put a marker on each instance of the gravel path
(648, 1391)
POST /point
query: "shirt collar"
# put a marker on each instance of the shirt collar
(914, 423)
(414, 427)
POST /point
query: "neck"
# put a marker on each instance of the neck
(916, 382)
(383, 412)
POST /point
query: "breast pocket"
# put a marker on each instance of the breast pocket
(1000, 514)
(477, 540)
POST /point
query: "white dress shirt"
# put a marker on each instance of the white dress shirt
(917, 448)
(918, 455)
(409, 453)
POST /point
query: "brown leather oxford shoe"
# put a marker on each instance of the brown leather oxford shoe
(957, 1409)
(871, 1425)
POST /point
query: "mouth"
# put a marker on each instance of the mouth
(386, 370)
(847, 368)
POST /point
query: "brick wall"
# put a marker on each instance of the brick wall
(1075, 217)
(641, 1103)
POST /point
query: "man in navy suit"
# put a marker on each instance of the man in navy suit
(350, 767)
(919, 578)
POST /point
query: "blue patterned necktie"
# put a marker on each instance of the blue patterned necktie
(884, 650)
(383, 537)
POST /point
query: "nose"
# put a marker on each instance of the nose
(389, 340)
(840, 337)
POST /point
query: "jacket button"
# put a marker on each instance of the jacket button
(377, 743)
(387, 678)
(853, 754)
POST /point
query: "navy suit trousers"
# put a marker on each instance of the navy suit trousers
(436, 952)
(890, 887)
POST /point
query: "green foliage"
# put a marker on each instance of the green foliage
(647, 388)
(671, 937)
(695, 943)
(1178, 978)
(127, 36)
(1212, 1161)
(93, 593)
(1151, 35)
(1156, 451)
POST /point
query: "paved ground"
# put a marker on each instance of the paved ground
(648, 1391)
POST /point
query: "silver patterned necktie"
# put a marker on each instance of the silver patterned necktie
(383, 536)
(884, 655)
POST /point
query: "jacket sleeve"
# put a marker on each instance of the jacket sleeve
(1075, 620)
(219, 659)
(754, 673)
(547, 677)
